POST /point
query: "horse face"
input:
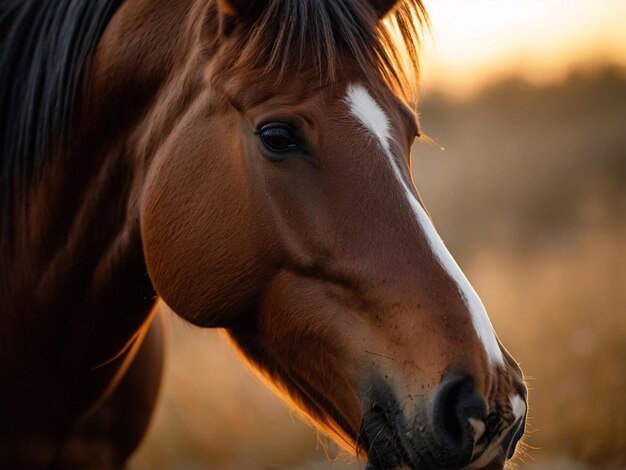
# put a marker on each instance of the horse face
(293, 222)
(290, 219)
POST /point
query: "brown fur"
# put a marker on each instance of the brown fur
(317, 270)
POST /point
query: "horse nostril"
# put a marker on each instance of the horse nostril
(458, 415)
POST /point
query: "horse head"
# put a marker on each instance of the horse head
(280, 207)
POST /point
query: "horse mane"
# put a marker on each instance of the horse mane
(44, 48)
(322, 34)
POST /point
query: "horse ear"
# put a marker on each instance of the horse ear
(383, 7)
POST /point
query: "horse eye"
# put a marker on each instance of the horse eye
(278, 139)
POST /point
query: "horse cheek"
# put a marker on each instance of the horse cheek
(206, 252)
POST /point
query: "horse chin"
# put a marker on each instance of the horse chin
(384, 436)
(396, 462)
(390, 454)
(381, 442)
(382, 458)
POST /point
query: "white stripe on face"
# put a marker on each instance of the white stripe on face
(372, 117)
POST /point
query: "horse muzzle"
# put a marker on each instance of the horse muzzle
(452, 429)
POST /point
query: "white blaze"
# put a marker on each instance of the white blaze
(364, 108)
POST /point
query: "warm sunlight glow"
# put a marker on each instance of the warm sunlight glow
(476, 42)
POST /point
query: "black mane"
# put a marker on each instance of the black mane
(44, 46)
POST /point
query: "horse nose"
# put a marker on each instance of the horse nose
(458, 418)
(518, 405)
(464, 430)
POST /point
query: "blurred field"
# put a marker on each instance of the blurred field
(530, 195)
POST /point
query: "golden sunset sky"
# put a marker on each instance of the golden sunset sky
(475, 42)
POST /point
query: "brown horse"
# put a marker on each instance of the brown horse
(249, 163)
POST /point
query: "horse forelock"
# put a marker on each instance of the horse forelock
(321, 36)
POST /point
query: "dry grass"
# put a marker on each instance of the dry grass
(215, 414)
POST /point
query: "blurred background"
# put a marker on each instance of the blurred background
(526, 100)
